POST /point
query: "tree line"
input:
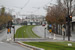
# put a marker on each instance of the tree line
(4, 18)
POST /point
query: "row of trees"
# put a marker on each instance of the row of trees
(56, 14)
(4, 17)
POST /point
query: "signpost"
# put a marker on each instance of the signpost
(50, 28)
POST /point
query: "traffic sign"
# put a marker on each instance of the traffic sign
(8, 30)
(50, 30)
(50, 25)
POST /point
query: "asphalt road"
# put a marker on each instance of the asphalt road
(13, 46)
(39, 30)
(4, 35)
(9, 45)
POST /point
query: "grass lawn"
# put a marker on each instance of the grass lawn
(25, 32)
(53, 45)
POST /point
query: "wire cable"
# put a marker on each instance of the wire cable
(26, 4)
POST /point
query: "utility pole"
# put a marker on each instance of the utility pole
(44, 32)
(68, 22)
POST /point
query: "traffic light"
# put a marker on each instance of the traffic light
(70, 18)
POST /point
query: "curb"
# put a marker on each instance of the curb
(29, 46)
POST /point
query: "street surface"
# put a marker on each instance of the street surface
(39, 30)
(9, 45)
(13, 46)
(4, 35)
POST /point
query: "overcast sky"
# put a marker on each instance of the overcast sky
(26, 6)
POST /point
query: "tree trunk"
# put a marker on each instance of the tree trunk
(56, 28)
(61, 29)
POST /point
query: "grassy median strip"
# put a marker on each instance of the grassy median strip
(25, 32)
(53, 45)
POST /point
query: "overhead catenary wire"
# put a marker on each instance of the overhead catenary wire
(38, 8)
(33, 7)
(25, 5)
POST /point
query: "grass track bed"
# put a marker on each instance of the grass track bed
(52, 45)
(26, 32)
